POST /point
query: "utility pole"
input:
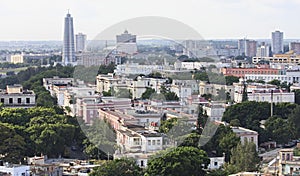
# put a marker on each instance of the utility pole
(271, 103)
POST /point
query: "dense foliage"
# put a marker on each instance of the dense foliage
(178, 161)
(118, 167)
(37, 130)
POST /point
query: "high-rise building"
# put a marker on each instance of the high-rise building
(80, 42)
(263, 50)
(247, 47)
(295, 46)
(277, 42)
(68, 46)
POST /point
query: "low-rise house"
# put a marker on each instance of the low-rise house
(138, 143)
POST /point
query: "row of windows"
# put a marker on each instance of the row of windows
(154, 142)
(19, 100)
(253, 72)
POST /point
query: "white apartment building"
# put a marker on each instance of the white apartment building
(16, 97)
(184, 88)
(199, 65)
(17, 58)
(136, 69)
(138, 143)
(277, 96)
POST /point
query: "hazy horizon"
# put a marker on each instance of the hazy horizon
(34, 20)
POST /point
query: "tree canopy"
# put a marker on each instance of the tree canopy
(178, 161)
(118, 167)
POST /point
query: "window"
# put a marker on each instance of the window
(153, 142)
(252, 139)
(19, 100)
(158, 142)
(149, 142)
(2, 100)
(11, 101)
(136, 141)
(142, 163)
(28, 100)
(216, 163)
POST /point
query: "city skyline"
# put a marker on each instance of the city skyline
(215, 19)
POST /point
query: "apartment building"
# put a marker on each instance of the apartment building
(16, 97)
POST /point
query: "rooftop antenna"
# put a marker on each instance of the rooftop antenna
(68, 11)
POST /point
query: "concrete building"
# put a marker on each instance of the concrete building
(277, 42)
(57, 86)
(216, 162)
(247, 47)
(213, 89)
(288, 163)
(80, 42)
(89, 59)
(16, 97)
(184, 88)
(246, 135)
(87, 107)
(126, 43)
(241, 72)
(288, 58)
(263, 50)
(295, 46)
(68, 45)
(136, 69)
(138, 143)
(214, 111)
(289, 76)
(16, 58)
(275, 96)
(7, 169)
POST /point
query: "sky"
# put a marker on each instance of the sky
(213, 19)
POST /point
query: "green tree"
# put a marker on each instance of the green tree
(294, 119)
(231, 79)
(280, 130)
(297, 96)
(166, 125)
(245, 157)
(227, 142)
(275, 82)
(104, 69)
(12, 145)
(245, 94)
(170, 96)
(118, 167)
(218, 172)
(178, 161)
(202, 118)
(147, 94)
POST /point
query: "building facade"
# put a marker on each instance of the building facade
(277, 42)
(15, 97)
(80, 42)
(295, 46)
(68, 43)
